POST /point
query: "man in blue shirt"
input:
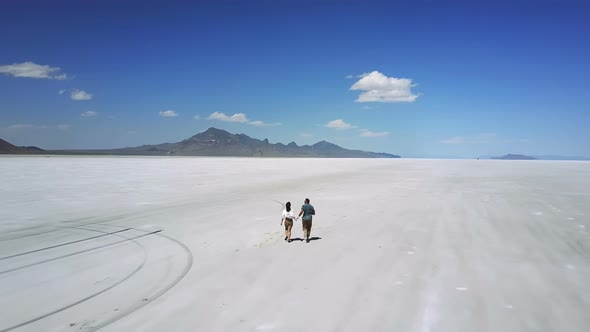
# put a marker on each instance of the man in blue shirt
(307, 211)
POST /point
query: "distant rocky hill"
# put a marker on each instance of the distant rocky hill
(7, 148)
(217, 142)
(515, 157)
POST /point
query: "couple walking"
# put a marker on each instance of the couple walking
(307, 211)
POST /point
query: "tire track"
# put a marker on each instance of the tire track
(41, 226)
(184, 272)
(282, 204)
(187, 268)
(136, 270)
(60, 228)
(57, 224)
(78, 253)
(63, 244)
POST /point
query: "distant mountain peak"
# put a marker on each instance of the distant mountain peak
(209, 134)
(212, 131)
(515, 157)
(325, 145)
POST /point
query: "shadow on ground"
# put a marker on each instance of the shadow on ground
(313, 238)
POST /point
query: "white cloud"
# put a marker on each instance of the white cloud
(61, 92)
(477, 139)
(259, 123)
(88, 114)
(377, 87)
(168, 114)
(349, 76)
(32, 70)
(80, 95)
(197, 117)
(238, 117)
(338, 124)
(368, 133)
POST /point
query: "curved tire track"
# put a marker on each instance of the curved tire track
(62, 244)
(41, 226)
(77, 253)
(59, 228)
(187, 268)
(124, 313)
(53, 312)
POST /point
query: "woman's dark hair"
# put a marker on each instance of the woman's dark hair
(288, 206)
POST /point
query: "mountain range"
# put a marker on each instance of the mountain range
(6, 147)
(515, 157)
(535, 157)
(218, 142)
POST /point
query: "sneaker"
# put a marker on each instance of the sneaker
(307, 240)
(289, 240)
(285, 238)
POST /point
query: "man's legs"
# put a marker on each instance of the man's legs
(303, 225)
(306, 229)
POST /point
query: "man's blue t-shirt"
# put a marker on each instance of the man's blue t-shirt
(308, 211)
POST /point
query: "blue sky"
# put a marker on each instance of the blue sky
(420, 79)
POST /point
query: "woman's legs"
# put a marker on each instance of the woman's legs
(288, 227)
(286, 230)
